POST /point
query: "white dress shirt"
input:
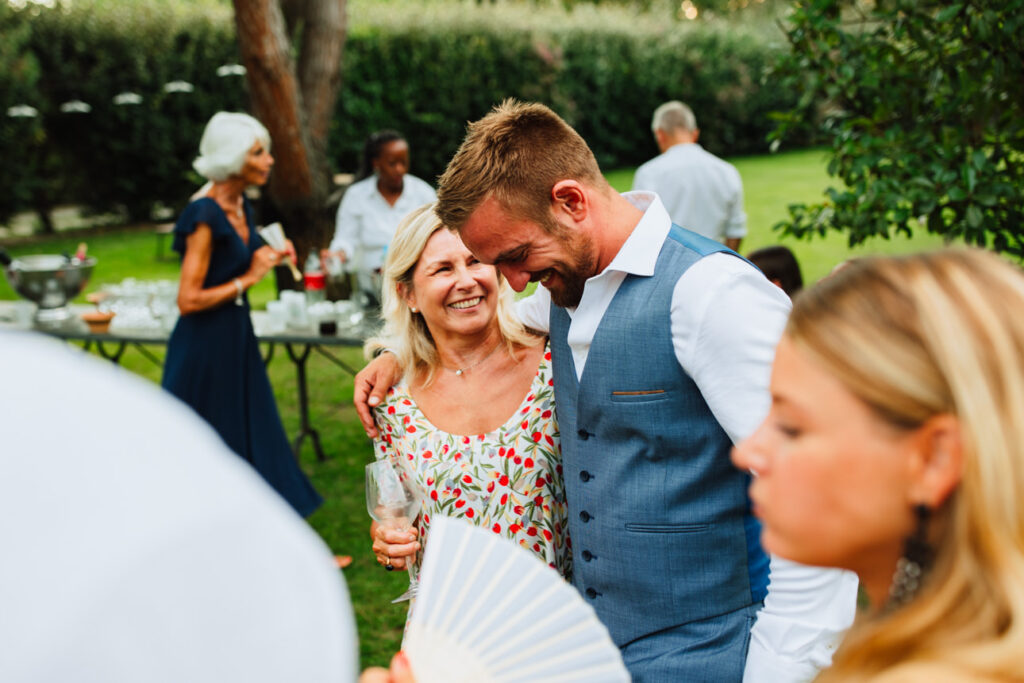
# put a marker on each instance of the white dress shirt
(726, 320)
(137, 547)
(366, 222)
(701, 192)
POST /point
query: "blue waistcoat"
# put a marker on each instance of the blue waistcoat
(660, 521)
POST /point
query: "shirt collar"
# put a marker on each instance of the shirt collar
(683, 148)
(639, 253)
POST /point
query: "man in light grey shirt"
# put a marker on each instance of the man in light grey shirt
(701, 192)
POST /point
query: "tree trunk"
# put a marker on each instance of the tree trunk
(46, 226)
(295, 104)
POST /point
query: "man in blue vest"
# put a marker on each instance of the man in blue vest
(662, 342)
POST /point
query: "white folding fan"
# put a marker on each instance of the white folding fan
(488, 610)
(273, 235)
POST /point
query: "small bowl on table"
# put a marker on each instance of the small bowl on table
(97, 298)
(98, 321)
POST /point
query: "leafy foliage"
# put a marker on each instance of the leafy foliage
(21, 138)
(126, 156)
(428, 68)
(924, 114)
(422, 68)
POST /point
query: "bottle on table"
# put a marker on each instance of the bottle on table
(314, 280)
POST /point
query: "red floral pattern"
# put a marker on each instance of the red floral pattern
(509, 480)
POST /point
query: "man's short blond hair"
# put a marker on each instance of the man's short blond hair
(516, 154)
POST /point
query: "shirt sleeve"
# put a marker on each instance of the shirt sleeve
(736, 218)
(726, 321)
(534, 311)
(346, 226)
(805, 615)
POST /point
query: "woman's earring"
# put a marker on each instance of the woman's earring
(414, 309)
(917, 559)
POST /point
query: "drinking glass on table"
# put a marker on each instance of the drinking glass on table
(393, 500)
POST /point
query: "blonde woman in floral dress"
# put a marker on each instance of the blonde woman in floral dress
(473, 418)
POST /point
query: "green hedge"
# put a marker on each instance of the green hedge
(423, 68)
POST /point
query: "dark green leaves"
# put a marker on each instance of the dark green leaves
(922, 104)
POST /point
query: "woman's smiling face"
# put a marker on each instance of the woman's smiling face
(455, 293)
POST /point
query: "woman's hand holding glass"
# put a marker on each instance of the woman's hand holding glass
(394, 501)
(396, 544)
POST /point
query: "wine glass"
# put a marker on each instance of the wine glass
(394, 501)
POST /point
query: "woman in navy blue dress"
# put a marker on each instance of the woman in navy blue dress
(213, 361)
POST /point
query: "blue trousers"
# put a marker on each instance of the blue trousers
(712, 650)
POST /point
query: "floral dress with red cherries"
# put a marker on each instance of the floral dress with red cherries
(508, 480)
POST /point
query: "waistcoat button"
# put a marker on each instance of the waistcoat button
(591, 593)
(585, 476)
(585, 516)
(583, 434)
(587, 555)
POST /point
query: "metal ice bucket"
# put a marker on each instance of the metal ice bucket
(51, 281)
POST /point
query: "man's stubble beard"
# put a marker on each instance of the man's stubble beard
(574, 275)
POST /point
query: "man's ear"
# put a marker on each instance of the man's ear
(937, 461)
(569, 197)
(661, 139)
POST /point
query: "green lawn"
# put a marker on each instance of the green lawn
(771, 182)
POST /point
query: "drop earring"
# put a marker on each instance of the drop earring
(917, 559)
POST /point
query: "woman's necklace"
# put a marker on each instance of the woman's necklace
(460, 371)
(238, 210)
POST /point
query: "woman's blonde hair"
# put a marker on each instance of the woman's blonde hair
(914, 337)
(405, 333)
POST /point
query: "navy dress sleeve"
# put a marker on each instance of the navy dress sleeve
(203, 210)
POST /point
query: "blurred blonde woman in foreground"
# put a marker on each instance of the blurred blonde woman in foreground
(895, 448)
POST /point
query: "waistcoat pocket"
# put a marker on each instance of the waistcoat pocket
(666, 528)
(641, 395)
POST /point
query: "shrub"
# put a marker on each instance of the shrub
(423, 68)
(925, 118)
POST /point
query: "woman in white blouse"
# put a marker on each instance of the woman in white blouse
(374, 205)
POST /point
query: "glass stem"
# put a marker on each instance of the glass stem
(413, 581)
(413, 567)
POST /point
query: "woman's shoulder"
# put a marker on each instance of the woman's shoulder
(420, 188)
(361, 188)
(202, 210)
(397, 401)
(544, 373)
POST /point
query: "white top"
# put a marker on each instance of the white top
(701, 192)
(366, 222)
(726, 320)
(137, 547)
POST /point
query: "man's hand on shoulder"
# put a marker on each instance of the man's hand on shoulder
(371, 385)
